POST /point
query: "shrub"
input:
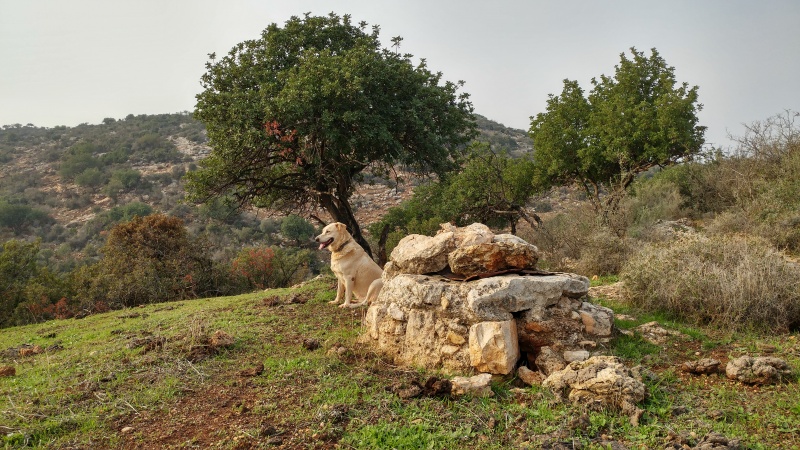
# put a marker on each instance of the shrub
(271, 267)
(149, 259)
(726, 281)
(576, 240)
(254, 266)
(297, 229)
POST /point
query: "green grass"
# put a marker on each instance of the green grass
(84, 394)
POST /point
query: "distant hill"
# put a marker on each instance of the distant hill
(66, 185)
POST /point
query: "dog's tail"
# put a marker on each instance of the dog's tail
(373, 291)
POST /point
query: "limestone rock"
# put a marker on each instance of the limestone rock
(530, 377)
(716, 441)
(599, 382)
(423, 320)
(494, 347)
(576, 355)
(418, 254)
(597, 320)
(704, 366)
(654, 333)
(478, 385)
(492, 257)
(759, 370)
(474, 234)
(549, 362)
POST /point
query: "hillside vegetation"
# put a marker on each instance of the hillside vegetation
(707, 247)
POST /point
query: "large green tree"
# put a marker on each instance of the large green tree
(295, 117)
(636, 120)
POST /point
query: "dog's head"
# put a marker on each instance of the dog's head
(333, 233)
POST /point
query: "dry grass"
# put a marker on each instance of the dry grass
(727, 281)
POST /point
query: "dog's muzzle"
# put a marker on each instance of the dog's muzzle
(322, 245)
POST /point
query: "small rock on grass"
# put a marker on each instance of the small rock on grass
(310, 344)
(478, 385)
(221, 339)
(253, 371)
(702, 366)
(760, 370)
(7, 371)
(530, 377)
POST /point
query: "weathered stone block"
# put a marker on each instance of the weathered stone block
(493, 346)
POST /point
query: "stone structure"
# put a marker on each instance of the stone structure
(467, 299)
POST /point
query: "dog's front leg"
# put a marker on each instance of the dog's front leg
(339, 292)
(348, 292)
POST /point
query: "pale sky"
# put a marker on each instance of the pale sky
(69, 62)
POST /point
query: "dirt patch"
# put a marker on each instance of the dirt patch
(609, 291)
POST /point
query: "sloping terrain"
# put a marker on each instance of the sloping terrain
(282, 369)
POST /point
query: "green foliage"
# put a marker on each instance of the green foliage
(295, 116)
(631, 122)
(78, 159)
(91, 177)
(407, 436)
(731, 282)
(17, 266)
(297, 229)
(146, 260)
(156, 148)
(20, 217)
(491, 188)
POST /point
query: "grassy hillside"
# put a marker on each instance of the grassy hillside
(293, 376)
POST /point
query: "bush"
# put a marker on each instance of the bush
(576, 240)
(271, 267)
(149, 259)
(730, 282)
(297, 229)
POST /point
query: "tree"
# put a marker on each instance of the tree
(491, 188)
(636, 120)
(297, 229)
(294, 118)
(17, 266)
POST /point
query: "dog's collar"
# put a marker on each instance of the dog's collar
(342, 245)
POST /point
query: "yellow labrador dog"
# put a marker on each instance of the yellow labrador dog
(357, 274)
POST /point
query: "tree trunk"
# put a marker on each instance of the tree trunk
(340, 210)
(382, 257)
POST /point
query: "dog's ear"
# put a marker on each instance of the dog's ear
(340, 226)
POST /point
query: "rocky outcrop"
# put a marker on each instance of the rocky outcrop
(428, 319)
(704, 366)
(759, 370)
(599, 382)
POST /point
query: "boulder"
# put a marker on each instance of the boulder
(656, 334)
(530, 377)
(424, 317)
(759, 370)
(599, 382)
(418, 254)
(494, 347)
(704, 366)
(478, 385)
(474, 234)
(492, 257)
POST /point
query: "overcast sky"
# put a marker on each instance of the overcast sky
(69, 62)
